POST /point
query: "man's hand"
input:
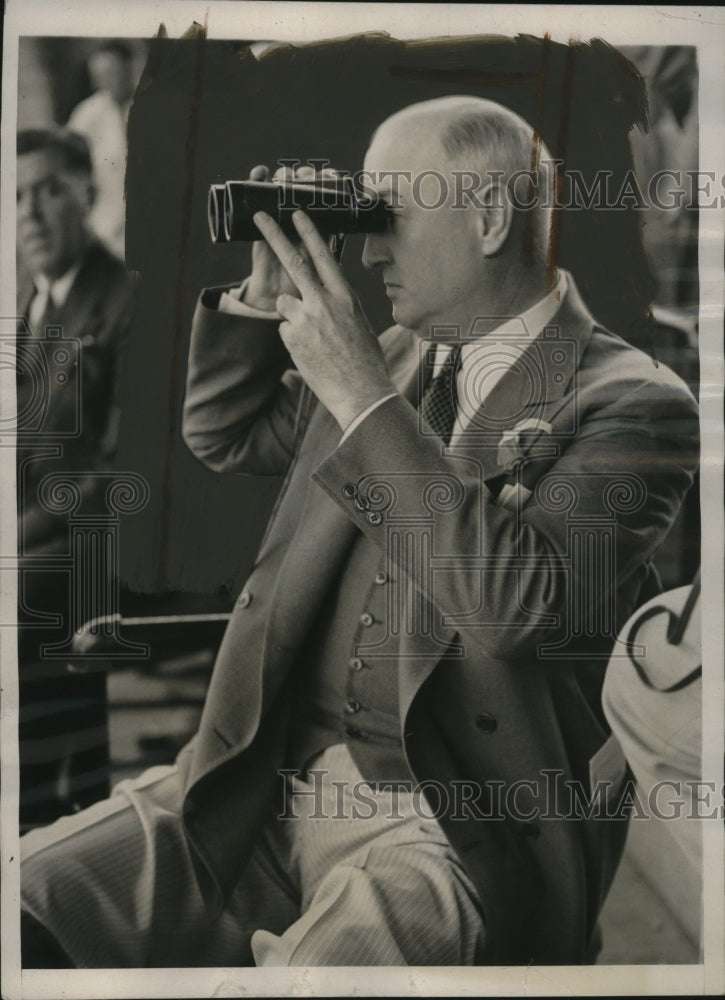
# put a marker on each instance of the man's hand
(268, 278)
(324, 328)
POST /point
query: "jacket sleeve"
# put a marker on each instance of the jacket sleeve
(244, 401)
(510, 577)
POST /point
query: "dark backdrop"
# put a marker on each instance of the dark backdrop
(205, 112)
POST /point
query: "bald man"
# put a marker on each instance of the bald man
(403, 758)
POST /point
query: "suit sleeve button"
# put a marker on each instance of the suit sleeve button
(381, 578)
(245, 599)
(352, 705)
(486, 722)
(366, 619)
(374, 517)
(349, 490)
(356, 663)
(362, 503)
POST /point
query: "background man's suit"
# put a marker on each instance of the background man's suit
(81, 391)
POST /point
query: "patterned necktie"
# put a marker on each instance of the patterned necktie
(439, 403)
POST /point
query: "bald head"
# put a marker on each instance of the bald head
(456, 247)
(472, 132)
(485, 140)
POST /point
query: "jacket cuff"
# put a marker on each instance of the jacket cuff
(387, 468)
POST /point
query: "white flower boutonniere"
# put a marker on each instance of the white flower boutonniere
(515, 443)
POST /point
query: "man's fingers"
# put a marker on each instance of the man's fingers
(259, 173)
(287, 305)
(290, 257)
(322, 257)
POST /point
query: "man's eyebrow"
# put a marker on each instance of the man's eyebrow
(52, 177)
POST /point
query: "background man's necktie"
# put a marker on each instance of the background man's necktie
(439, 403)
(50, 316)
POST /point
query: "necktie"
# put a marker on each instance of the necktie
(51, 315)
(439, 403)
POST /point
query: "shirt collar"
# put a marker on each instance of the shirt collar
(59, 289)
(528, 324)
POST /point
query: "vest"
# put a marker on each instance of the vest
(349, 685)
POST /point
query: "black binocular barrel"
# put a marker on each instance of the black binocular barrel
(215, 213)
(333, 205)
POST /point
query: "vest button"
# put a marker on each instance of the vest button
(366, 619)
(245, 599)
(349, 490)
(352, 705)
(374, 517)
(486, 722)
(356, 663)
(381, 578)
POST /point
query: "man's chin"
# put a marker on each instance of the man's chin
(38, 262)
(406, 318)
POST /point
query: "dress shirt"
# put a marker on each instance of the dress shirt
(57, 291)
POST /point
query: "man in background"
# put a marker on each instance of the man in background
(102, 119)
(75, 307)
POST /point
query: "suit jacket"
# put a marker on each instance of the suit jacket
(504, 688)
(68, 379)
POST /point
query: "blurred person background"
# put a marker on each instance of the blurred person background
(75, 310)
(102, 119)
(88, 84)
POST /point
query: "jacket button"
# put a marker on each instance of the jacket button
(366, 619)
(374, 517)
(356, 663)
(381, 578)
(486, 722)
(352, 705)
(349, 490)
(245, 599)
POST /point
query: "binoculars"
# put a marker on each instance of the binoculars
(334, 205)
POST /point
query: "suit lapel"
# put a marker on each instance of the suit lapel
(535, 395)
(77, 313)
(539, 388)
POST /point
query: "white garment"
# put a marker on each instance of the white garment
(102, 122)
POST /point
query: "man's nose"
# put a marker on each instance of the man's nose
(376, 251)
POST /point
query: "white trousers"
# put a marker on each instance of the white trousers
(341, 882)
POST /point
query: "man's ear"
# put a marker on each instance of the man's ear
(85, 190)
(495, 218)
